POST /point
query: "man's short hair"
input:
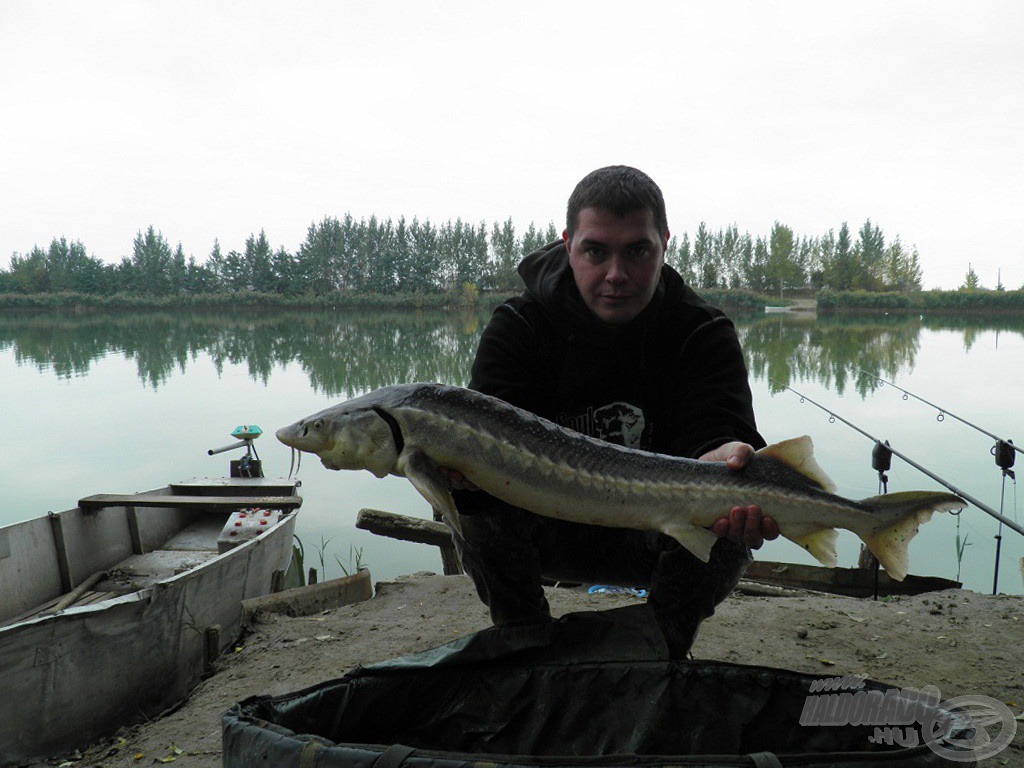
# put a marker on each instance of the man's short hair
(620, 190)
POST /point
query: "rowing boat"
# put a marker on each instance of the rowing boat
(111, 612)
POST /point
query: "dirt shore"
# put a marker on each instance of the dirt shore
(962, 642)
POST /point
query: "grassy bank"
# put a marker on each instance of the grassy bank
(80, 302)
(976, 300)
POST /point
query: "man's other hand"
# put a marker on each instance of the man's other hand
(748, 524)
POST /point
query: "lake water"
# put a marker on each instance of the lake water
(124, 403)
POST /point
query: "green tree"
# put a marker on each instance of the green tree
(236, 271)
(64, 266)
(258, 264)
(464, 253)
(28, 274)
(971, 280)
(762, 270)
(507, 252)
(913, 277)
(319, 256)
(424, 257)
(808, 258)
(401, 252)
(705, 260)
(679, 257)
(177, 272)
(215, 264)
(728, 254)
(200, 278)
(902, 269)
(839, 272)
(825, 257)
(285, 273)
(869, 257)
(534, 238)
(747, 269)
(149, 269)
(783, 266)
(71, 268)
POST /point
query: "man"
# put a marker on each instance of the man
(608, 340)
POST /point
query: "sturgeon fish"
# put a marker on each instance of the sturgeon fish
(411, 430)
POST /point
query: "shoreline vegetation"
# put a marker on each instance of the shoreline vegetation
(399, 264)
(469, 297)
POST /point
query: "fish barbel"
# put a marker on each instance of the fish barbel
(410, 430)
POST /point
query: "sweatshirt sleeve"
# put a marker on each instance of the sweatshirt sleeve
(508, 363)
(715, 405)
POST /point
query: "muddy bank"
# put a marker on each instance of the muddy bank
(961, 642)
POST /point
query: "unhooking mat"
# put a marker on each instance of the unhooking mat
(592, 689)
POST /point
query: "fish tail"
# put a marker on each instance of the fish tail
(907, 511)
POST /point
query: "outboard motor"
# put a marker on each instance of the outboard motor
(249, 465)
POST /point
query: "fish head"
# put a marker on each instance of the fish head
(345, 437)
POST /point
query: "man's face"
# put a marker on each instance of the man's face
(616, 262)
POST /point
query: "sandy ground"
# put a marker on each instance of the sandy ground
(961, 642)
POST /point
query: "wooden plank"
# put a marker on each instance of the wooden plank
(403, 527)
(101, 500)
(235, 486)
(450, 563)
(313, 598)
(76, 594)
(853, 582)
(413, 529)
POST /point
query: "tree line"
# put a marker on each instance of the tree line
(839, 262)
(374, 256)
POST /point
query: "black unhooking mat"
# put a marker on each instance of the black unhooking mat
(592, 689)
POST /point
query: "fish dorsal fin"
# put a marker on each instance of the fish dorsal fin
(798, 454)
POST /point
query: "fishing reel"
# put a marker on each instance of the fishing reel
(249, 465)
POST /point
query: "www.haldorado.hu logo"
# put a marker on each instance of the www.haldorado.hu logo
(960, 729)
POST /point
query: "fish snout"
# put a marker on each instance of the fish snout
(302, 434)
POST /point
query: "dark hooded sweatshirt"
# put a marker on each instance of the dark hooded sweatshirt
(672, 380)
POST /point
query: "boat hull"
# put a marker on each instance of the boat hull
(77, 674)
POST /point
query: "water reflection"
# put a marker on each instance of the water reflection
(345, 353)
(342, 353)
(848, 352)
(838, 355)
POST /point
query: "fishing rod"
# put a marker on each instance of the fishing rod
(943, 412)
(1012, 524)
(1002, 451)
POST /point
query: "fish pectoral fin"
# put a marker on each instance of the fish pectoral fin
(798, 453)
(820, 542)
(697, 540)
(432, 486)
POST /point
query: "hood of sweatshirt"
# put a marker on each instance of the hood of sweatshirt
(549, 281)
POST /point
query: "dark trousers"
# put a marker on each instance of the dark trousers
(508, 552)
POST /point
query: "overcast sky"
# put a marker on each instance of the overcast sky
(218, 119)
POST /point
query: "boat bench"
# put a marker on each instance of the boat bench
(212, 503)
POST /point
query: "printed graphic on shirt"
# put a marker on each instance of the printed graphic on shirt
(619, 423)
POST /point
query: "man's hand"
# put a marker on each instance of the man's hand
(747, 524)
(736, 455)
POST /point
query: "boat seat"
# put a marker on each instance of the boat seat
(213, 503)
